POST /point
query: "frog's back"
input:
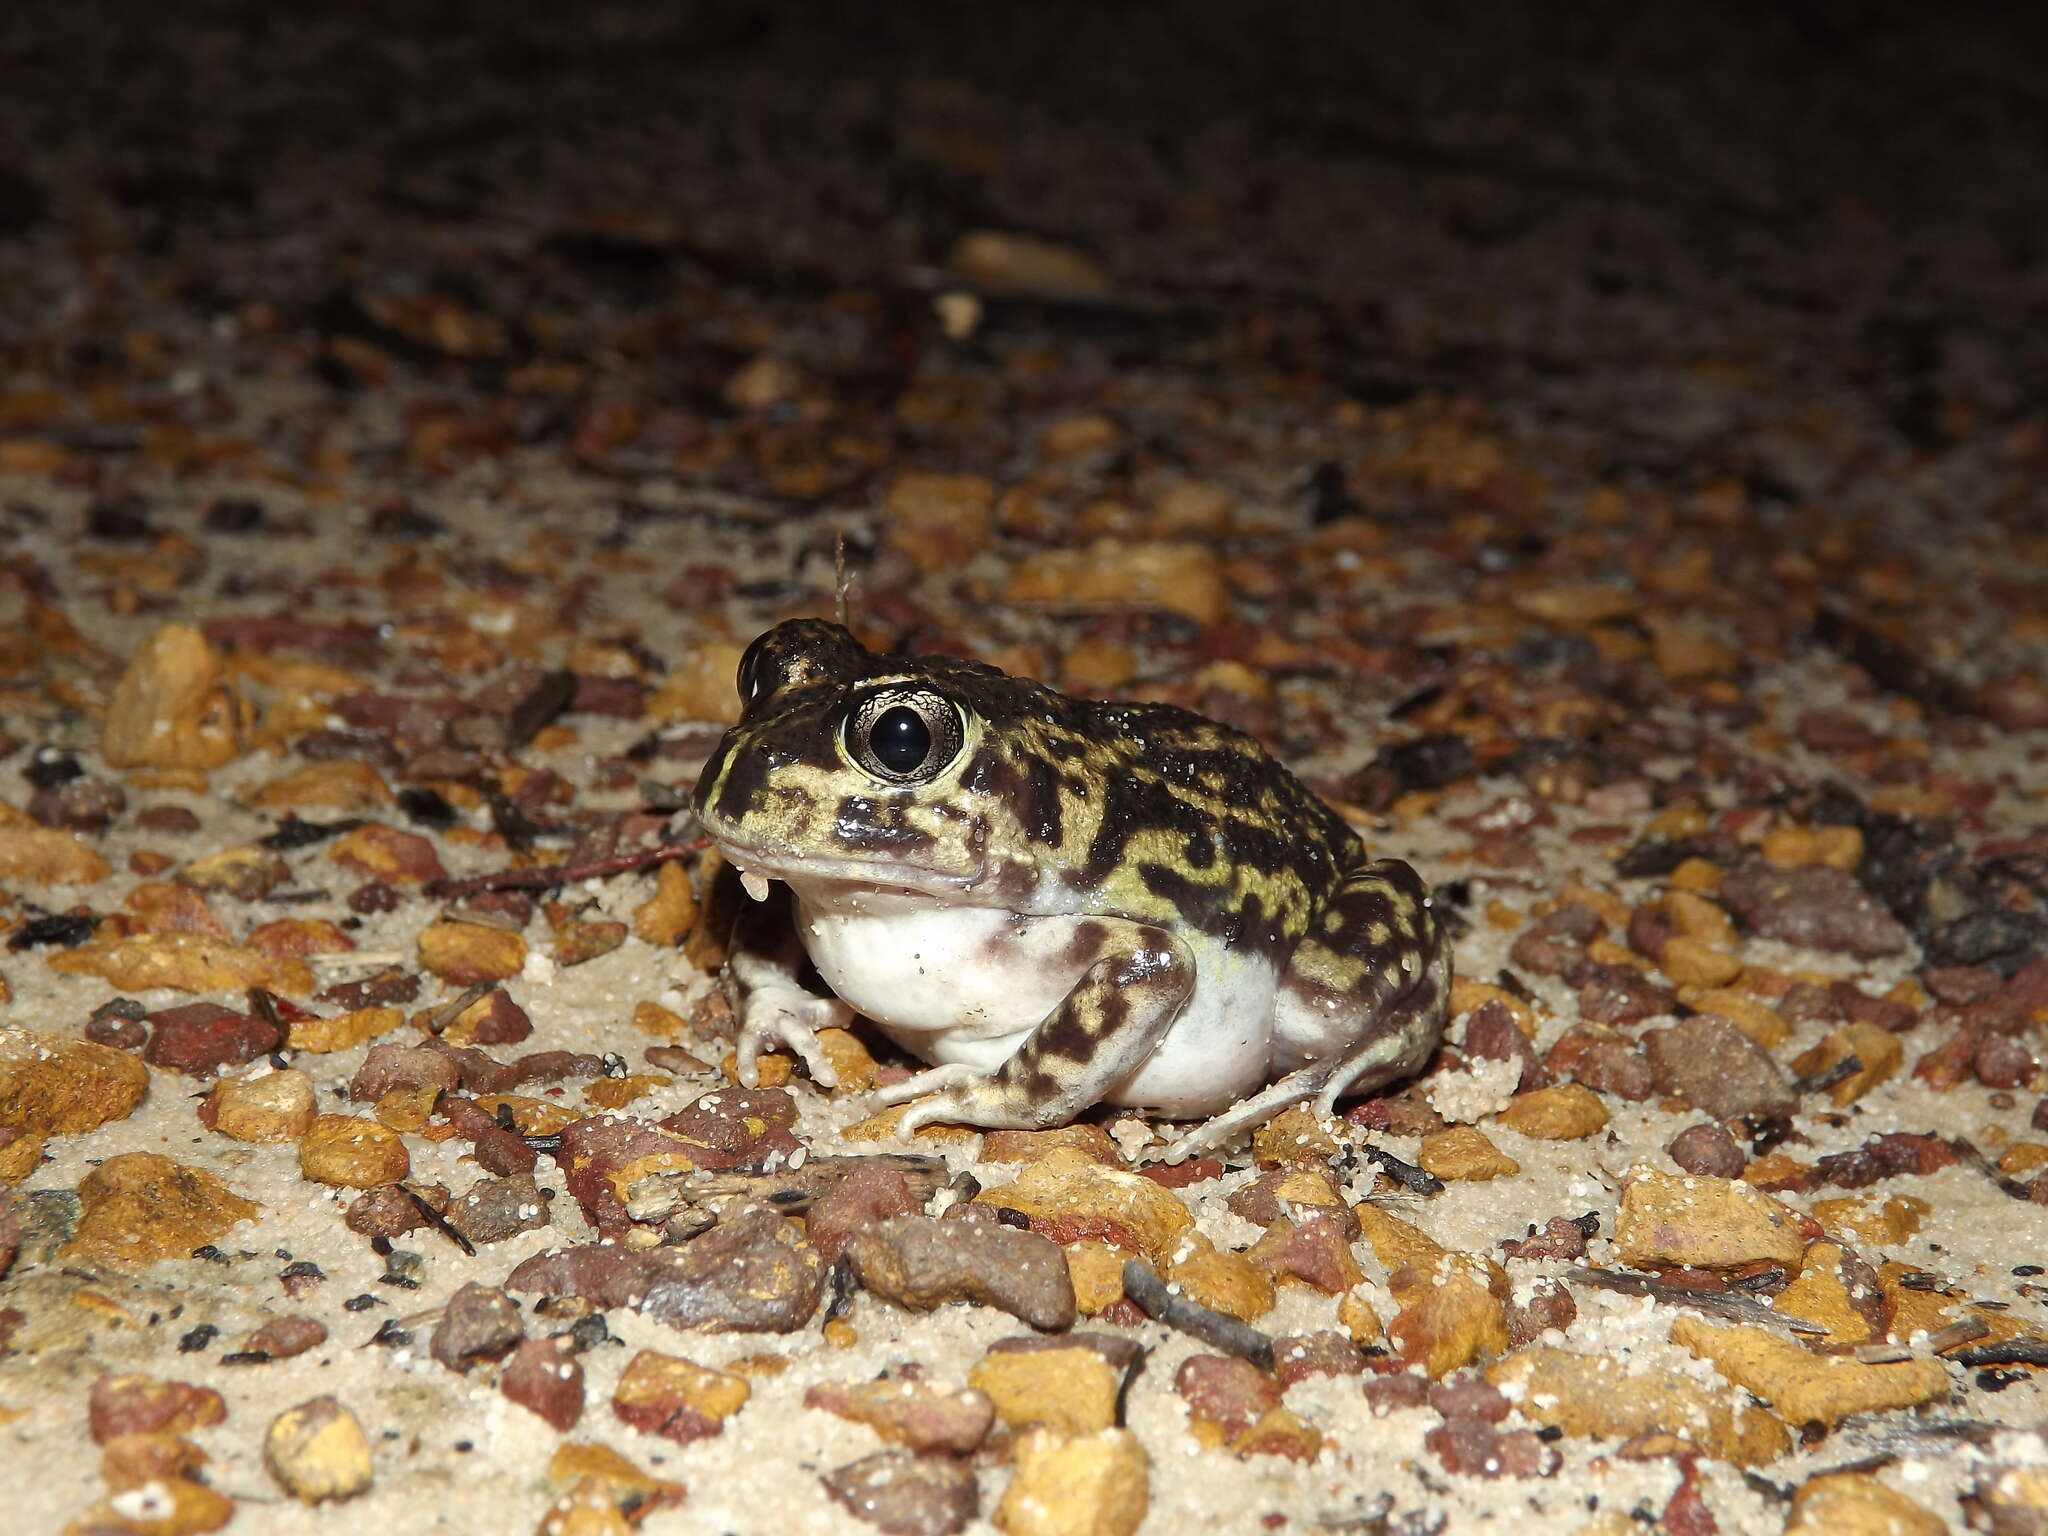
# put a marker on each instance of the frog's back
(1154, 812)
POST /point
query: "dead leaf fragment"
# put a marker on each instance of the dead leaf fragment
(663, 918)
(170, 709)
(468, 954)
(1804, 1387)
(184, 962)
(1011, 263)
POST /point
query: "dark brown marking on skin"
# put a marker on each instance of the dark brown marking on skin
(1069, 1034)
(864, 824)
(740, 785)
(1084, 944)
(989, 772)
(1347, 971)
(1207, 906)
(1040, 810)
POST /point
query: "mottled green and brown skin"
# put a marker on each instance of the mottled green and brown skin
(1117, 901)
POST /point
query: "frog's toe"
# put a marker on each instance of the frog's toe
(788, 1020)
(936, 1081)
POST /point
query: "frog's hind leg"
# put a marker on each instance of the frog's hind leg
(1375, 979)
(1101, 1032)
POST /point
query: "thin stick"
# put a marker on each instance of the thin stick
(1739, 1309)
(840, 581)
(546, 876)
(1166, 1306)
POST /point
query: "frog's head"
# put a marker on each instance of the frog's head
(849, 767)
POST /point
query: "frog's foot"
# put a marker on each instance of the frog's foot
(781, 1015)
(931, 1080)
(1245, 1115)
(959, 1095)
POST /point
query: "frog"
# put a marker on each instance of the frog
(1053, 902)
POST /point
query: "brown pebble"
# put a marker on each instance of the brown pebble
(906, 1495)
(58, 1085)
(676, 1398)
(1813, 905)
(275, 1107)
(199, 1039)
(492, 1210)
(1560, 1238)
(1707, 1148)
(140, 1207)
(283, 1337)
(1325, 1353)
(913, 1414)
(922, 1263)
(480, 1323)
(167, 820)
(1227, 1392)
(1468, 1397)
(1717, 1069)
(387, 1211)
(545, 1378)
(1474, 1448)
(871, 1192)
(78, 805)
(1549, 1306)
(135, 1404)
(1397, 1389)
(751, 1273)
(1603, 1060)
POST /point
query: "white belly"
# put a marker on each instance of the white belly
(968, 984)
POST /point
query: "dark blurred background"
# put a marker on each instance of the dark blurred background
(1530, 188)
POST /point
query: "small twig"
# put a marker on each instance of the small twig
(1983, 1165)
(264, 1005)
(356, 958)
(450, 1011)
(1737, 1309)
(1957, 1334)
(1823, 1080)
(2011, 1352)
(1192, 1318)
(840, 1289)
(547, 876)
(1407, 1175)
(546, 699)
(840, 581)
(436, 1220)
(1139, 1360)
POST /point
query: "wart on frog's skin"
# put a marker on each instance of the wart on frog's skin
(1055, 902)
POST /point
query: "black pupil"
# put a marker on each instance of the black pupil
(900, 739)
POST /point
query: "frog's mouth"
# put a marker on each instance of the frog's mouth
(823, 877)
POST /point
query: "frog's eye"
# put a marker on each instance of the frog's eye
(904, 735)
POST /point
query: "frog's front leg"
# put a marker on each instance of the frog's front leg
(1364, 999)
(1101, 1032)
(775, 1009)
